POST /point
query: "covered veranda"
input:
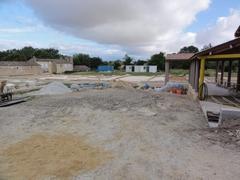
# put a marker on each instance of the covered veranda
(225, 56)
(175, 58)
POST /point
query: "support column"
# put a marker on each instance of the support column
(196, 84)
(229, 74)
(222, 72)
(238, 77)
(201, 78)
(167, 66)
(217, 70)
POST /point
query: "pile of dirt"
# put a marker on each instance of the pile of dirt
(54, 88)
(43, 156)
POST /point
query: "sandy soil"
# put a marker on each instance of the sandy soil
(148, 137)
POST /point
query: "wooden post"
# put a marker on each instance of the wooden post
(238, 77)
(167, 66)
(229, 74)
(217, 69)
(222, 72)
(196, 84)
(201, 78)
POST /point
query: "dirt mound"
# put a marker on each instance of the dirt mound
(43, 156)
(54, 88)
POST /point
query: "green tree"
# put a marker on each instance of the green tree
(189, 49)
(95, 62)
(27, 53)
(81, 59)
(47, 53)
(85, 59)
(117, 64)
(158, 60)
(127, 60)
(140, 62)
(205, 47)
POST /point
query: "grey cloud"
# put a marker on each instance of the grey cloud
(125, 23)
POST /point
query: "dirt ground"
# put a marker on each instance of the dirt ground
(113, 134)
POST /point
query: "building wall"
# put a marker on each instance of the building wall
(81, 68)
(152, 69)
(68, 67)
(44, 66)
(19, 70)
(129, 69)
(105, 68)
(140, 68)
(53, 68)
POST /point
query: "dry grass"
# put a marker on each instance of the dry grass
(43, 156)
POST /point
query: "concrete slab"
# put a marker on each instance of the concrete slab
(214, 90)
(226, 112)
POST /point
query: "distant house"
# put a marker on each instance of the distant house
(81, 68)
(30, 67)
(144, 68)
(55, 66)
(105, 69)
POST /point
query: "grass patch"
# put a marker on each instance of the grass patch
(179, 72)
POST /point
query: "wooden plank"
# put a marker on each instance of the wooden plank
(229, 74)
(230, 102)
(236, 99)
(216, 100)
(222, 56)
(217, 69)
(222, 72)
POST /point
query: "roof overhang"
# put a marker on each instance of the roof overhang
(231, 47)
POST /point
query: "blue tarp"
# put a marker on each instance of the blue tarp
(105, 68)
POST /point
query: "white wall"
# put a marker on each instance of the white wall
(68, 67)
(140, 68)
(152, 69)
(129, 68)
(44, 66)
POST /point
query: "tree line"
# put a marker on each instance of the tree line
(27, 53)
(158, 59)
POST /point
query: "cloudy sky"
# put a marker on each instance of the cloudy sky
(112, 28)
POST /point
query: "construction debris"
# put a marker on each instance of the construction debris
(78, 87)
(174, 88)
(53, 88)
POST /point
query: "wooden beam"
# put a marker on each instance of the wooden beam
(238, 77)
(229, 74)
(167, 66)
(222, 72)
(196, 84)
(230, 102)
(221, 56)
(201, 78)
(217, 69)
(215, 100)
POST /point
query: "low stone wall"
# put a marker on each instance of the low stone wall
(19, 70)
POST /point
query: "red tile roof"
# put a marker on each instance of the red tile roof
(179, 57)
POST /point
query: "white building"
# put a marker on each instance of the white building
(57, 66)
(144, 68)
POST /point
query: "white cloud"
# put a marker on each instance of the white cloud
(220, 32)
(137, 27)
(17, 30)
(10, 44)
